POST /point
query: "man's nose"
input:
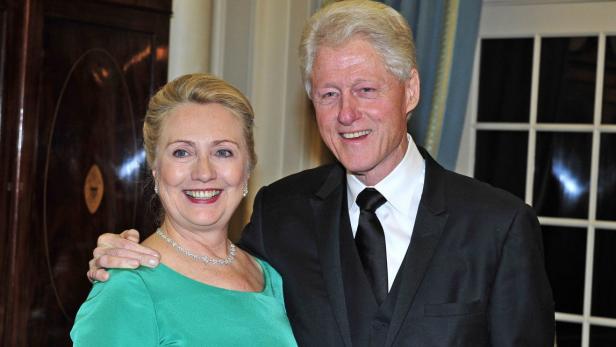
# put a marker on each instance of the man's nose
(348, 110)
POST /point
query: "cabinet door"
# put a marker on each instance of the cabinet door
(4, 235)
(99, 62)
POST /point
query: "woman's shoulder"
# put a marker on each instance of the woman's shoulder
(124, 289)
(117, 312)
(120, 282)
(139, 274)
(271, 277)
(126, 281)
(266, 267)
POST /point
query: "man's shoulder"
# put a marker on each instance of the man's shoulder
(307, 181)
(468, 191)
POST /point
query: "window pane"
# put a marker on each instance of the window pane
(562, 174)
(567, 76)
(602, 336)
(500, 159)
(609, 81)
(604, 274)
(568, 334)
(606, 190)
(504, 80)
(565, 261)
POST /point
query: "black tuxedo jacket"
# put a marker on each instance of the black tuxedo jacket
(473, 274)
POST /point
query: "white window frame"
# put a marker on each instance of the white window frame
(531, 19)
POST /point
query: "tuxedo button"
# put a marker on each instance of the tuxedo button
(378, 325)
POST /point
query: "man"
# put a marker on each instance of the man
(385, 247)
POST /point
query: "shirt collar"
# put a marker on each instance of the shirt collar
(399, 184)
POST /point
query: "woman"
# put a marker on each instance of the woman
(199, 146)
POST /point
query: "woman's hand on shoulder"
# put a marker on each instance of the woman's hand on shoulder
(120, 251)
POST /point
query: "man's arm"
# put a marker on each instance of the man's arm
(521, 307)
(120, 251)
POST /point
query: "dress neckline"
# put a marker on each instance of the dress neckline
(264, 270)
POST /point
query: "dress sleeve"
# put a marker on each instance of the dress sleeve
(119, 312)
(275, 282)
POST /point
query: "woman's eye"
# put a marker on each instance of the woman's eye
(180, 153)
(224, 153)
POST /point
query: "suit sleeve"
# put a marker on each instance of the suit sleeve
(118, 312)
(252, 236)
(521, 307)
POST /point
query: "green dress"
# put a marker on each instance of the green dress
(161, 307)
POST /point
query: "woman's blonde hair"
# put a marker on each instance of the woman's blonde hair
(199, 89)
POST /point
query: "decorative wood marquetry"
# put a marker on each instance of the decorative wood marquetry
(4, 231)
(75, 78)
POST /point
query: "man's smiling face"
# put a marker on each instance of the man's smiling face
(361, 108)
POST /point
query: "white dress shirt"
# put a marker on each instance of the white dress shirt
(402, 188)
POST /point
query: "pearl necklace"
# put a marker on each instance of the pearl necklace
(202, 258)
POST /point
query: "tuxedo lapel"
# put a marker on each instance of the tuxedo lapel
(429, 225)
(327, 205)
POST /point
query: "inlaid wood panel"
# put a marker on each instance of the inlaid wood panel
(91, 176)
(90, 70)
(3, 169)
(12, 77)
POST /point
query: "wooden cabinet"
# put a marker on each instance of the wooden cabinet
(75, 77)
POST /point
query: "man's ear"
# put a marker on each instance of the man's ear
(411, 90)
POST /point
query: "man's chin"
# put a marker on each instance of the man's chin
(357, 170)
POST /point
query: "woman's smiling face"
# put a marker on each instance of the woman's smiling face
(201, 166)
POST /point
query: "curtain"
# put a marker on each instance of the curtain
(445, 36)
